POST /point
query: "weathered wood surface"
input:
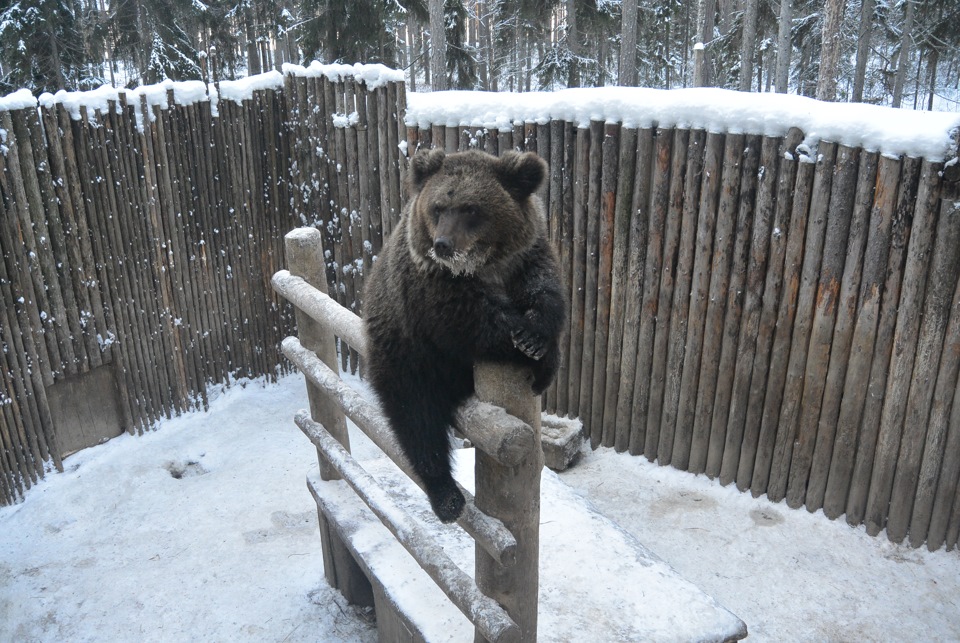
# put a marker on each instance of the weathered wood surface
(661, 442)
(511, 494)
(650, 435)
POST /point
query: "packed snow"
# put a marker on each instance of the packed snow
(204, 530)
(194, 91)
(930, 135)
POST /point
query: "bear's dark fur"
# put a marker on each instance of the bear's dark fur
(467, 275)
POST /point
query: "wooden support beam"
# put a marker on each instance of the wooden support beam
(511, 494)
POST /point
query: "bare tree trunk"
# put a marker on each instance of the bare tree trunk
(702, 69)
(253, 53)
(905, 42)
(666, 55)
(686, 43)
(748, 44)
(628, 45)
(489, 72)
(573, 43)
(863, 49)
(475, 31)
(932, 65)
(784, 46)
(830, 50)
(916, 82)
(527, 64)
(424, 54)
(438, 46)
(411, 42)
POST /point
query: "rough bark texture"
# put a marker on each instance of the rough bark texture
(438, 47)
(784, 46)
(628, 45)
(830, 50)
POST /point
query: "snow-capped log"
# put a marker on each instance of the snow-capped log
(321, 308)
(490, 619)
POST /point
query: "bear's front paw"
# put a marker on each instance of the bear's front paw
(445, 499)
(545, 370)
(531, 344)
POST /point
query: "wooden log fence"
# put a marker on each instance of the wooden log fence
(774, 316)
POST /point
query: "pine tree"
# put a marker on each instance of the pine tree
(357, 31)
(152, 42)
(42, 45)
(461, 59)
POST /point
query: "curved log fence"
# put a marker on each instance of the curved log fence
(783, 319)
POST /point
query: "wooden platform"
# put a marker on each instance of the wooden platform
(596, 580)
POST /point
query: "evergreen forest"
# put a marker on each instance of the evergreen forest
(904, 53)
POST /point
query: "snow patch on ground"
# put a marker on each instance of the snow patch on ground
(202, 530)
(789, 574)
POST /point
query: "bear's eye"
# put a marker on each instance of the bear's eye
(472, 218)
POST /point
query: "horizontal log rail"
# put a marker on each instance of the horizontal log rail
(321, 308)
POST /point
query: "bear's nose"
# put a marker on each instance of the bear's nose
(443, 246)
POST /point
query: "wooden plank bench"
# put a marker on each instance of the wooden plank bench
(596, 580)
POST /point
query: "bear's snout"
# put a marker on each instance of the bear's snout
(443, 247)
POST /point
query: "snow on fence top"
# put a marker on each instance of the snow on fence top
(194, 91)
(892, 132)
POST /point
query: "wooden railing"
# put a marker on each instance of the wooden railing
(503, 516)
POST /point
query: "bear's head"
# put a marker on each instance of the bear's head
(471, 210)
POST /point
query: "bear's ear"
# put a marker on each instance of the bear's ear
(423, 165)
(521, 174)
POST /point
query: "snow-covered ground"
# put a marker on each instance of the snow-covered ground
(204, 531)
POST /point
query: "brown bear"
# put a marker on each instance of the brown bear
(467, 275)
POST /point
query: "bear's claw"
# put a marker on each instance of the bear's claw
(529, 344)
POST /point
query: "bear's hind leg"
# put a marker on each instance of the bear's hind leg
(420, 414)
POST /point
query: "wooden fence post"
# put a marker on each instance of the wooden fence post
(305, 259)
(511, 494)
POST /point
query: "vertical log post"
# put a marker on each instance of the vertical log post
(305, 259)
(511, 494)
